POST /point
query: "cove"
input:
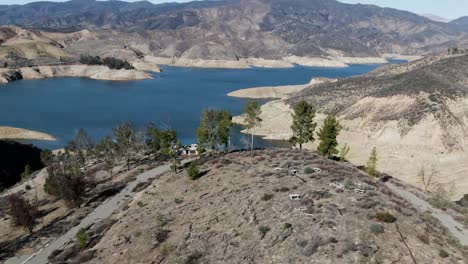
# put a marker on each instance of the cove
(174, 98)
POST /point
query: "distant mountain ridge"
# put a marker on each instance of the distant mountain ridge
(233, 29)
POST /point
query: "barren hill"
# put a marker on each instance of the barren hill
(234, 29)
(240, 211)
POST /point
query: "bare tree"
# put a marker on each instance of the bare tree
(427, 179)
(22, 212)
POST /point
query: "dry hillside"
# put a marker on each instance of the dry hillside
(240, 211)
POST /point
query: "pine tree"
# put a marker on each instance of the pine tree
(303, 126)
(327, 135)
(372, 162)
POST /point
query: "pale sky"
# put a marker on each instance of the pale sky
(445, 8)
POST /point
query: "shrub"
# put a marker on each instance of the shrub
(161, 220)
(267, 197)
(385, 217)
(82, 238)
(162, 235)
(287, 225)
(443, 253)
(308, 170)
(26, 175)
(377, 229)
(178, 200)
(167, 249)
(22, 212)
(192, 171)
(424, 238)
(284, 189)
(263, 230)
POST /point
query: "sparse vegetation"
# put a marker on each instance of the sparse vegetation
(344, 151)
(385, 217)
(82, 238)
(263, 231)
(267, 197)
(303, 125)
(327, 135)
(371, 165)
(308, 170)
(65, 180)
(22, 212)
(26, 175)
(443, 254)
(377, 229)
(441, 196)
(192, 171)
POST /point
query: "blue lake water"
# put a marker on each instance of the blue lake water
(176, 97)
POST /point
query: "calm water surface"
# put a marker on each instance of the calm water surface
(174, 98)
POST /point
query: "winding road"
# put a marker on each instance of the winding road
(101, 212)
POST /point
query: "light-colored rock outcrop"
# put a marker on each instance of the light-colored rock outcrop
(87, 71)
(20, 133)
(143, 65)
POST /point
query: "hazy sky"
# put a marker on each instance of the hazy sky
(445, 8)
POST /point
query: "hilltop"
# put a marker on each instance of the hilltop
(240, 211)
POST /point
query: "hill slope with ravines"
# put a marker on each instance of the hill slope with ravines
(234, 29)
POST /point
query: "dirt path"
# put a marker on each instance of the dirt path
(101, 212)
(455, 228)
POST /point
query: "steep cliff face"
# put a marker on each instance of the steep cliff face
(14, 157)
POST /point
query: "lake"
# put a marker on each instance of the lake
(174, 98)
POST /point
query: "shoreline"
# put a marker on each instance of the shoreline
(96, 72)
(285, 62)
(276, 92)
(12, 133)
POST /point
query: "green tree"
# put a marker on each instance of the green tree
(371, 166)
(66, 181)
(26, 174)
(170, 146)
(192, 171)
(344, 152)
(215, 129)
(126, 139)
(327, 135)
(153, 139)
(252, 118)
(82, 146)
(303, 125)
(107, 150)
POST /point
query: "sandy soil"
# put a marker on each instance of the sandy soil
(20, 133)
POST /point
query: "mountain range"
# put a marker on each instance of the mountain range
(233, 29)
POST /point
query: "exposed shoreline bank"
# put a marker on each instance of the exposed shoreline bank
(96, 72)
(7, 132)
(285, 62)
(399, 155)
